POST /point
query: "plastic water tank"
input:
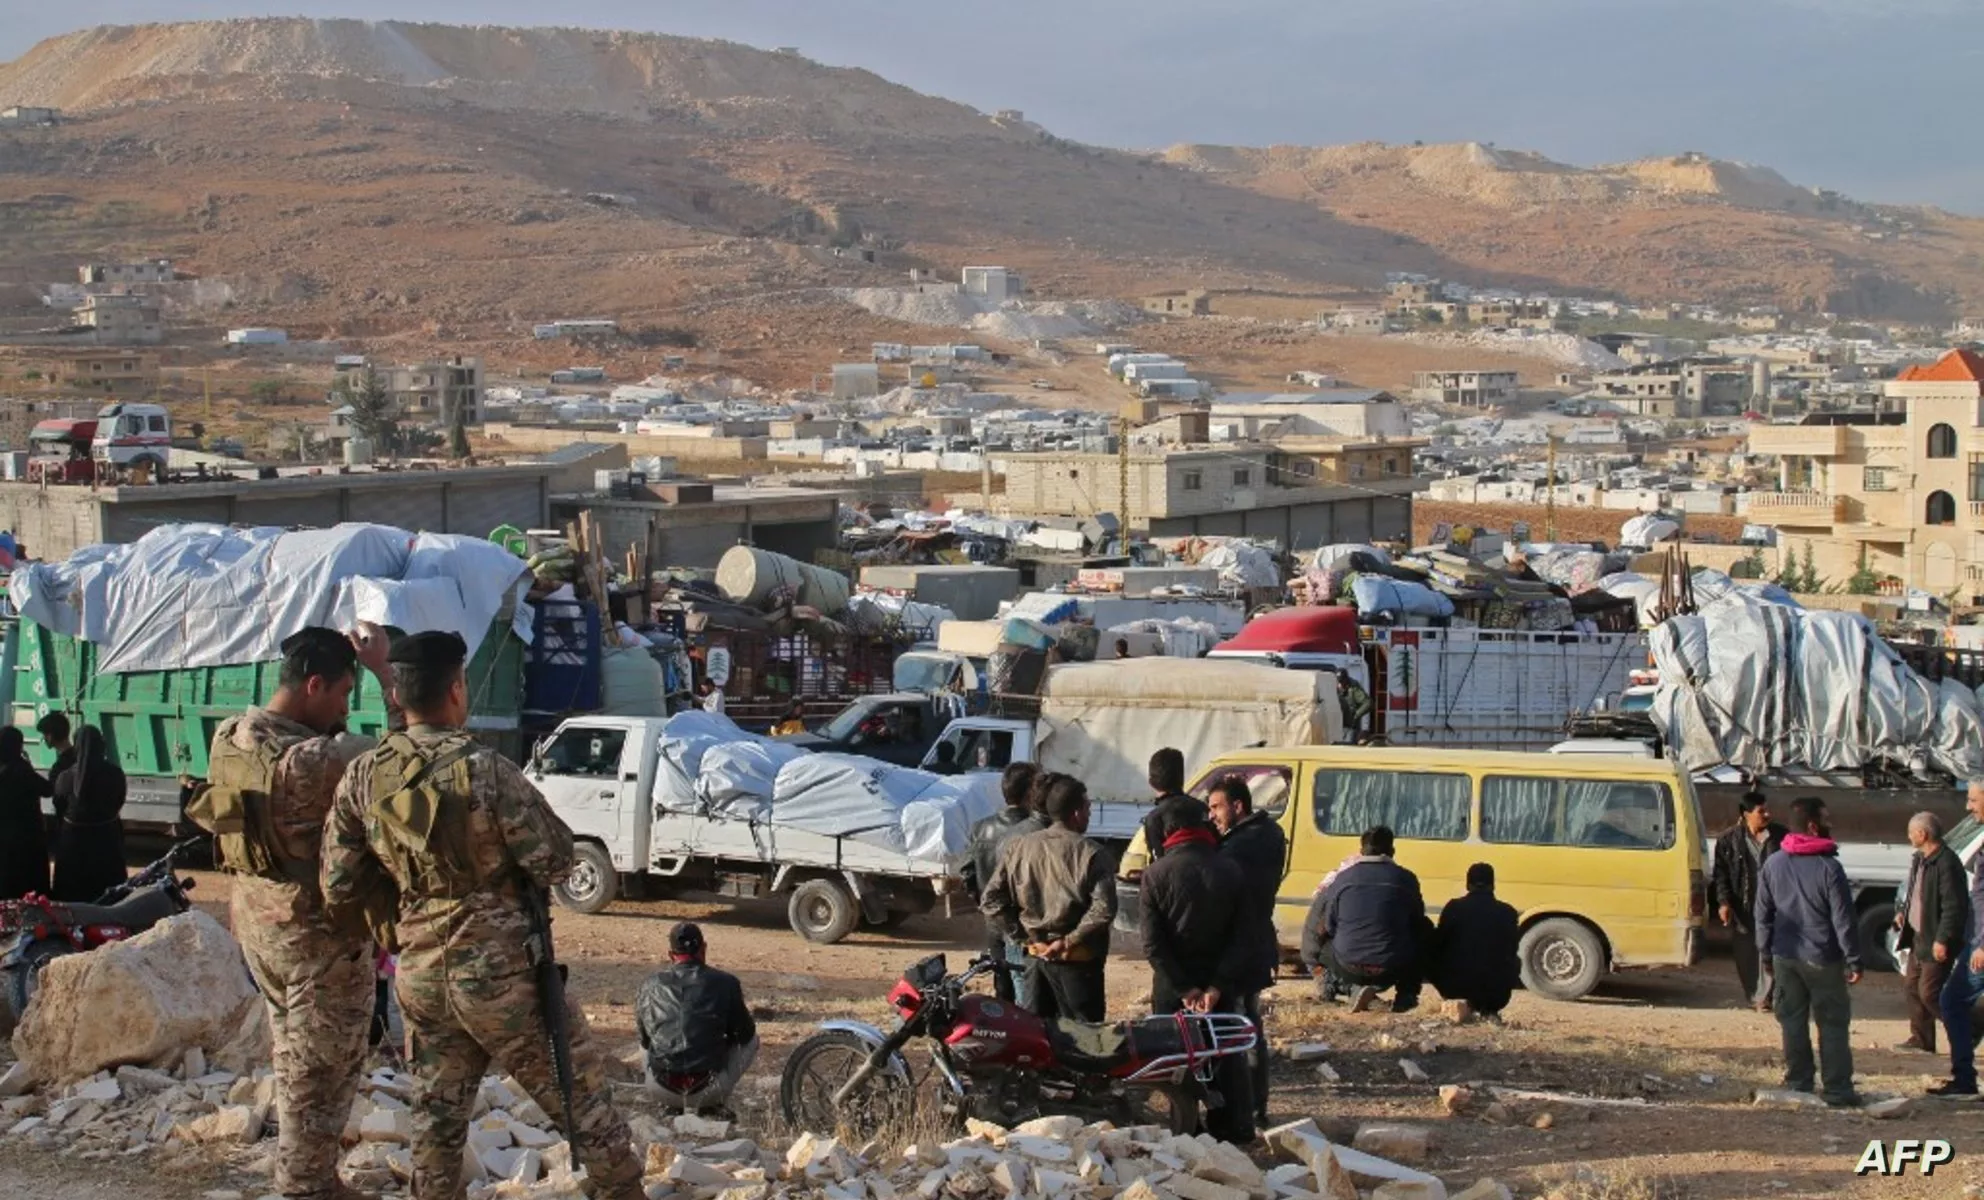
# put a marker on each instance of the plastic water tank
(631, 683)
(764, 579)
(357, 451)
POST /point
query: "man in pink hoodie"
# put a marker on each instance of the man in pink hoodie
(1809, 942)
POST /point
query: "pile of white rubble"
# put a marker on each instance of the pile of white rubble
(514, 1152)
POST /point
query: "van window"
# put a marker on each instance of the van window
(1268, 784)
(1615, 814)
(1414, 804)
(157, 424)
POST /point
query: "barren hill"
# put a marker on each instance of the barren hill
(1685, 227)
(728, 87)
(379, 178)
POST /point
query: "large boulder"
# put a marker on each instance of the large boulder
(144, 1002)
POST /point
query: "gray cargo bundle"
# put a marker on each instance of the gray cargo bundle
(1757, 685)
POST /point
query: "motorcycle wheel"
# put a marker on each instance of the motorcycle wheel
(25, 978)
(818, 1067)
(1175, 1106)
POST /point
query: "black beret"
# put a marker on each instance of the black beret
(317, 640)
(432, 650)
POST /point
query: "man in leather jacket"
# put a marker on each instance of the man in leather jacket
(698, 1035)
(988, 838)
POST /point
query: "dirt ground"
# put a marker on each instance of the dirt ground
(1673, 1044)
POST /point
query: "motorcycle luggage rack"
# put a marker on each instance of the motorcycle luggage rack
(1208, 1037)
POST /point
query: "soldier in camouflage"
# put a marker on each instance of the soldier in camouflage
(271, 775)
(458, 832)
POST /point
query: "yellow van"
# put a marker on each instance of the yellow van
(1601, 856)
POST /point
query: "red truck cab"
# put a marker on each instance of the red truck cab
(59, 452)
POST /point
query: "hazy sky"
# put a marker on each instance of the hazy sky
(1872, 97)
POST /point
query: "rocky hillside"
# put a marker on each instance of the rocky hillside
(394, 177)
(1686, 227)
(721, 85)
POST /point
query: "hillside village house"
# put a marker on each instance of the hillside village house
(422, 394)
(1473, 389)
(1301, 492)
(156, 270)
(111, 374)
(1901, 490)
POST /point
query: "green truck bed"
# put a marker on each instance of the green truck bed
(158, 724)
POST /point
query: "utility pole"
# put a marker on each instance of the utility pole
(1550, 492)
(1123, 480)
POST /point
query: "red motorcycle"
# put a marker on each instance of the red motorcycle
(998, 1062)
(35, 929)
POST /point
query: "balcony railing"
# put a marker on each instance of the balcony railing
(1786, 506)
(1816, 441)
(1977, 510)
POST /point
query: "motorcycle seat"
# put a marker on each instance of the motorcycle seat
(1107, 1048)
(140, 911)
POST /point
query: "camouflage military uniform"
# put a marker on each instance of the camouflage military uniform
(465, 981)
(315, 977)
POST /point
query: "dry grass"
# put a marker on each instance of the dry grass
(1626, 1184)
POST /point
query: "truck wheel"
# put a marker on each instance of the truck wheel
(593, 883)
(1561, 959)
(823, 910)
(1879, 939)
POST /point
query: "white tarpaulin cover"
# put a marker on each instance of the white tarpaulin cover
(1181, 639)
(210, 595)
(1242, 565)
(709, 765)
(901, 808)
(1756, 685)
(1647, 529)
(686, 741)
(737, 777)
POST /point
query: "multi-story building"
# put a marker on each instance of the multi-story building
(121, 320)
(118, 375)
(1899, 492)
(422, 393)
(1681, 389)
(1301, 492)
(1474, 389)
(156, 270)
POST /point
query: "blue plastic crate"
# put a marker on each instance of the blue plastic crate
(562, 668)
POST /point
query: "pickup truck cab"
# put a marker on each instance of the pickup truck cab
(895, 727)
(600, 774)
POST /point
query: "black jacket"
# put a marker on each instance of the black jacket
(1194, 918)
(1154, 819)
(1475, 947)
(1945, 901)
(23, 836)
(1733, 873)
(990, 836)
(1260, 849)
(689, 1016)
(1370, 915)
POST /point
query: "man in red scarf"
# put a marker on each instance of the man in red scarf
(1201, 953)
(693, 1024)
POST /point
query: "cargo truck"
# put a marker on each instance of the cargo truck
(1480, 689)
(159, 724)
(1101, 722)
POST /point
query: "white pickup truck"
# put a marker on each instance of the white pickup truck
(599, 774)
